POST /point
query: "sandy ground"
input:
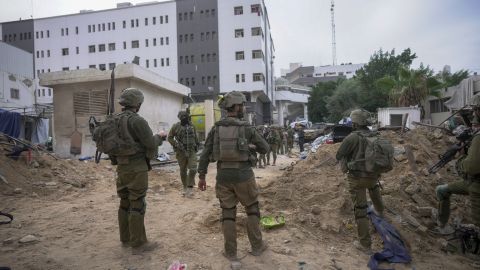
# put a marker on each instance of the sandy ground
(77, 229)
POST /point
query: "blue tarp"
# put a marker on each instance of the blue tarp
(10, 123)
(394, 250)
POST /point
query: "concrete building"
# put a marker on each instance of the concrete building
(346, 70)
(79, 94)
(393, 116)
(291, 102)
(211, 46)
(17, 90)
(311, 75)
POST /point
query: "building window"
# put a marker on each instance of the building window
(91, 48)
(181, 80)
(161, 19)
(207, 13)
(192, 59)
(48, 53)
(207, 36)
(209, 80)
(214, 57)
(214, 35)
(41, 53)
(255, 9)
(202, 58)
(147, 63)
(155, 62)
(124, 23)
(187, 81)
(66, 31)
(50, 91)
(186, 37)
(243, 77)
(166, 41)
(191, 37)
(437, 105)
(135, 44)
(154, 20)
(202, 36)
(63, 32)
(186, 60)
(179, 16)
(101, 66)
(238, 10)
(111, 66)
(239, 56)
(132, 23)
(113, 25)
(146, 21)
(208, 57)
(111, 46)
(43, 92)
(162, 62)
(136, 22)
(92, 66)
(161, 41)
(203, 80)
(257, 54)
(193, 81)
(185, 16)
(237, 77)
(166, 18)
(66, 69)
(256, 31)
(38, 54)
(238, 33)
(14, 93)
(89, 28)
(168, 61)
(124, 45)
(146, 42)
(258, 77)
(191, 15)
(48, 33)
(213, 12)
(101, 47)
(180, 60)
(76, 30)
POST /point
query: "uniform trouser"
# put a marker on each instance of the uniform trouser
(229, 194)
(273, 151)
(188, 168)
(289, 145)
(357, 187)
(301, 142)
(444, 192)
(261, 158)
(132, 189)
(281, 149)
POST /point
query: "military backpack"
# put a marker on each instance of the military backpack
(112, 136)
(229, 143)
(378, 156)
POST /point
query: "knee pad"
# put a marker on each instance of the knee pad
(138, 206)
(124, 204)
(229, 214)
(253, 210)
(377, 186)
(192, 171)
(440, 192)
(360, 211)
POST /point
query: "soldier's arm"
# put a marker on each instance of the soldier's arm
(470, 165)
(346, 148)
(171, 135)
(146, 137)
(260, 143)
(205, 155)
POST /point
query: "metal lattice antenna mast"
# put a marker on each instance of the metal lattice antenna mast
(334, 43)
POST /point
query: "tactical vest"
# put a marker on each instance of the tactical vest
(187, 136)
(229, 144)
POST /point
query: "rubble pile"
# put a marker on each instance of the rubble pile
(313, 193)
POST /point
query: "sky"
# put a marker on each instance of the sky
(440, 32)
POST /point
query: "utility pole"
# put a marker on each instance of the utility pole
(334, 43)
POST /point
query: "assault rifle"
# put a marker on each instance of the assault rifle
(469, 237)
(464, 140)
(180, 147)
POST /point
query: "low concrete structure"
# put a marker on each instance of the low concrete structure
(79, 94)
(393, 116)
(291, 102)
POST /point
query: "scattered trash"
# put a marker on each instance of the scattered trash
(85, 158)
(176, 265)
(163, 157)
(270, 222)
(28, 239)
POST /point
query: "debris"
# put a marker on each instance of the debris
(8, 241)
(335, 265)
(28, 239)
(400, 158)
(412, 188)
(413, 222)
(411, 158)
(3, 179)
(51, 184)
(35, 164)
(74, 183)
(17, 191)
(176, 265)
(424, 211)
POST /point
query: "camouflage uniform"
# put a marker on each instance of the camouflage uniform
(235, 179)
(132, 175)
(301, 138)
(186, 153)
(359, 181)
(262, 159)
(290, 134)
(281, 143)
(273, 140)
(467, 166)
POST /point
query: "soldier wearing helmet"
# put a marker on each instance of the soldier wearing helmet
(353, 147)
(468, 167)
(132, 173)
(230, 143)
(183, 138)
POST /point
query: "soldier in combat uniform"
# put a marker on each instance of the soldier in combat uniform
(183, 138)
(132, 173)
(229, 143)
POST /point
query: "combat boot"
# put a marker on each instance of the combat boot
(146, 247)
(367, 250)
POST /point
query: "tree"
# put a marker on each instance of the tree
(344, 100)
(317, 110)
(448, 79)
(381, 64)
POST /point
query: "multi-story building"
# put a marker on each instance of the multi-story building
(211, 46)
(291, 102)
(311, 75)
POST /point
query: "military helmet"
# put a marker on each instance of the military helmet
(360, 117)
(182, 114)
(231, 99)
(131, 97)
(475, 102)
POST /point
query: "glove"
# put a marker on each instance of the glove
(202, 184)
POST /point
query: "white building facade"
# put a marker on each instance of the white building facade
(211, 46)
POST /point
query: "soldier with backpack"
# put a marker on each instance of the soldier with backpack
(130, 143)
(183, 138)
(364, 156)
(273, 139)
(230, 143)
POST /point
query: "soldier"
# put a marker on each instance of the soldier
(229, 143)
(183, 138)
(290, 134)
(132, 173)
(301, 137)
(351, 155)
(281, 144)
(273, 140)
(261, 157)
(468, 167)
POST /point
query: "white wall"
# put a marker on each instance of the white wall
(384, 115)
(344, 70)
(56, 42)
(228, 45)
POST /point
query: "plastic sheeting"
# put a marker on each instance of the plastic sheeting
(462, 96)
(40, 132)
(10, 123)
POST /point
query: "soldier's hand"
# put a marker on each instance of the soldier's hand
(202, 184)
(162, 135)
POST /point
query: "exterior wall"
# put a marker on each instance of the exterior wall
(16, 72)
(347, 70)
(19, 34)
(202, 71)
(385, 113)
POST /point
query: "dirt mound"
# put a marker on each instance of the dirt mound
(313, 192)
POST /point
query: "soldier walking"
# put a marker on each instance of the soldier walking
(183, 138)
(229, 143)
(273, 140)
